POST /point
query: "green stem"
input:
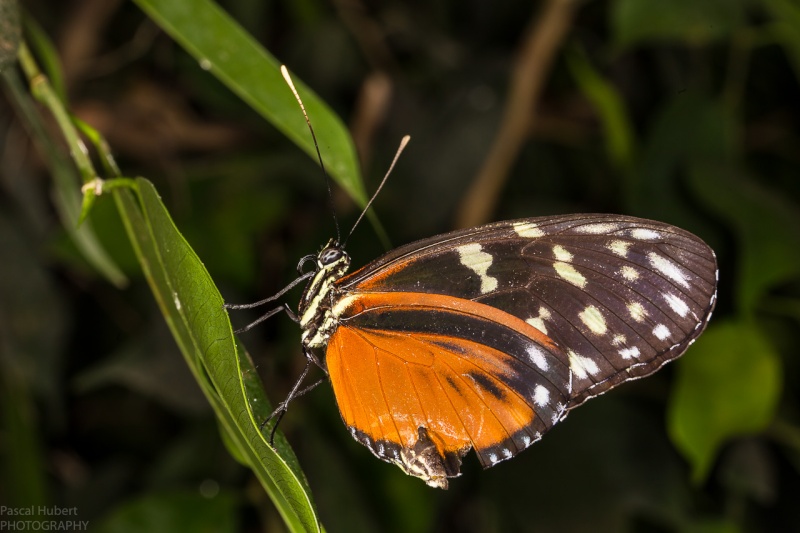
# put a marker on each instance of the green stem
(44, 93)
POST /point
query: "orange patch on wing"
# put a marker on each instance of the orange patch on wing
(366, 301)
(389, 384)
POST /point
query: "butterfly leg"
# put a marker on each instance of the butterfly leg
(274, 296)
(310, 356)
(296, 392)
(264, 317)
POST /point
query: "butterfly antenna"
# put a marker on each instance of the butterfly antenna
(285, 73)
(403, 143)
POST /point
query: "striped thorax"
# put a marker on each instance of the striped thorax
(314, 310)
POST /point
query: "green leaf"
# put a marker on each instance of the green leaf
(192, 307)
(686, 21)
(690, 127)
(174, 511)
(225, 49)
(66, 194)
(23, 462)
(726, 387)
(765, 226)
(619, 136)
(46, 55)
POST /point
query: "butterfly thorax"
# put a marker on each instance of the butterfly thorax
(314, 310)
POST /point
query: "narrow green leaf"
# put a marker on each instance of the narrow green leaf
(192, 307)
(66, 194)
(727, 387)
(23, 461)
(227, 51)
(606, 99)
(46, 55)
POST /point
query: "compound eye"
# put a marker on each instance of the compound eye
(330, 255)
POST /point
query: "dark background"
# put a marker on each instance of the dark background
(113, 422)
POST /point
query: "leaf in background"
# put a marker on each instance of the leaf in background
(618, 131)
(766, 228)
(33, 333)
(147, 364)
(686, 21)
(192, 307)
(727, 387)
(46, 55)
(690, 127)
(10, 33)
(786, 20)
(224, 48)
(175, 511)
(66, 192)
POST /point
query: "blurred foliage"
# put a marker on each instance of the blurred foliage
(681, 111)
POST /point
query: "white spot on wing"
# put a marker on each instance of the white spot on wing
(529, 230)
(638, 313)
(541, 396)
(569, 274)
(629, 353)
(661, 332)
(618, 340)
(538, 321)
(597, 228)
(594, 320)
(668, 268)
(581, 366)
(644, 234)
(677, 304)
(538, 358)
(629, 273)
(561, 254)
(526, 440)
(619, 247)
(475, 259)
(492, 458)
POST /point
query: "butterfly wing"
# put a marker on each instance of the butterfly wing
(420, 381)
(438, 342)
(620, 295)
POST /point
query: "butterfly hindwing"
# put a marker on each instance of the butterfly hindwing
(448, 372)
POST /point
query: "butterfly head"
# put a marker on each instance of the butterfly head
(333, 259)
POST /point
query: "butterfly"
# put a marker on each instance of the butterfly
(483, 339)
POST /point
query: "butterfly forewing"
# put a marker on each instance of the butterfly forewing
(620, 295)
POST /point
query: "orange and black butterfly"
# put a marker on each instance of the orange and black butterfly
(485, 338)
